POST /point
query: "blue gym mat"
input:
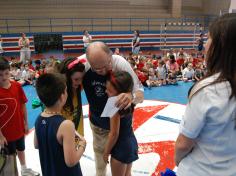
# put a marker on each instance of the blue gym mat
(170, 93)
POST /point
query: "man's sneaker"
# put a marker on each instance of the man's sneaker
(29, 172)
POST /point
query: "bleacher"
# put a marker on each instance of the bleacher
(152, 40)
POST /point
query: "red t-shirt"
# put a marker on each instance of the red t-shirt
(11, 112)
(195, 61)
(140, 66)
(180, 61)
(31, 67)
(142, 77)
(155, 64)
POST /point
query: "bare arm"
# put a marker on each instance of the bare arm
(27, 43)
(137, 42)
(113, 136)
(3, 140)
(35, 141)
(125, 99)
(195, 76)
(66, 136)
(19, 43)
(183, 147)
(25, 118)
(138, 97)
(90, 38)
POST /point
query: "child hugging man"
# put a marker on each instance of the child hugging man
(60, 147)
(121, 144)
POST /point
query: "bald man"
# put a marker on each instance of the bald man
(100, 62)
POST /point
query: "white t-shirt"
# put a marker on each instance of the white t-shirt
(152, 78)
(188, 73)
(161, 72)
(210, 120)
(24, 44)
(87, 40)
(1, 49)
(120, 64)
(25, 75)
(18, 74)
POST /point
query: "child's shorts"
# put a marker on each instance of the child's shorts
(16, 145)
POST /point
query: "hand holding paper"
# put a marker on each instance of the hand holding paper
(110, 108)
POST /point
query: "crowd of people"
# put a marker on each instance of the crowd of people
(169, 68)
(205, 145)
(152, 70)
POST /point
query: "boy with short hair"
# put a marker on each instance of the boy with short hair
(60, 148)
(13, 117)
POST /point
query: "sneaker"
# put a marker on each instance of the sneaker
(29, 172)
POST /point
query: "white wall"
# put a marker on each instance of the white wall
(214, 7)
(232, 5)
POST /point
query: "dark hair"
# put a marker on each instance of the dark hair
(138, 33)
(161, 62)
(172, 58)
(37, 62)
(4, 64)
(123, 83)
(158, 57)
(63, 68)
(50, 87)
(222, 51)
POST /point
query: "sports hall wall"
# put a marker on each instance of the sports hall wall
(107, 8)
(150, 40)
(111, 21)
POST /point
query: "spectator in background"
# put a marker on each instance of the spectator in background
(1, 48)
(206, 143)
(117, 51)
(27, 75)
(152, 80)
(161, 73)
(180, 60)
(171, 52)
(181, 53)
(136, 42)
(142, 76)
(24, 45)
(87, 39)
(188, 73)
(172, 65)
(198, 74)
(31, 67)
(200, 43)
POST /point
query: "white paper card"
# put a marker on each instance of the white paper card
(110, 108)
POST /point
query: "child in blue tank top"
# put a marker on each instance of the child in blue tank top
(122, 144)
(54, 135)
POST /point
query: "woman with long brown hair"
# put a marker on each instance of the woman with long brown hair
(74, 70)
(207, 139)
